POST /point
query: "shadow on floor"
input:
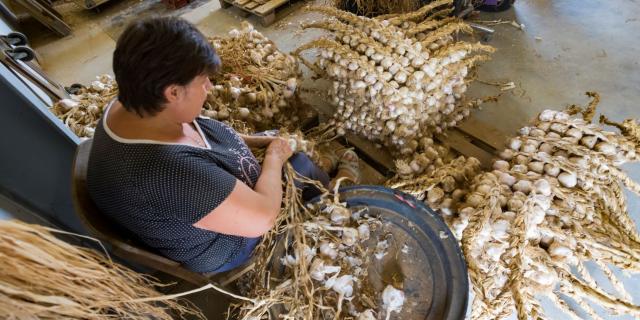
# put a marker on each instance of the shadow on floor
(213, 304)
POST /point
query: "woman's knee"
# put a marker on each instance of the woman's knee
(304, 166)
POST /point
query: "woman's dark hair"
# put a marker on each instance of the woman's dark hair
(154, 53)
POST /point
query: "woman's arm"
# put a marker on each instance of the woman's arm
(257, 141)
(247, 212)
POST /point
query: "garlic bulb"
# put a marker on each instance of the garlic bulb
(289, 261)
(568, 180)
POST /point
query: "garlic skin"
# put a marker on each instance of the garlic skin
(343, 285)
(328, 249)
(339, 215)
(366, 315)
(381, 249)
(392, 299)
(349, 236)
(318, 270)
(364, 232)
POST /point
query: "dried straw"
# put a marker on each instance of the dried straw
(44, 277)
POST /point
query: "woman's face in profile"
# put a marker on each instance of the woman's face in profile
(195, 94)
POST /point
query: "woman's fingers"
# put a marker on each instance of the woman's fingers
(280, 149)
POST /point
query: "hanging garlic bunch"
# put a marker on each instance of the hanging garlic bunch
(392, 84)
(82, 111)
(258, 83)
(553, 202)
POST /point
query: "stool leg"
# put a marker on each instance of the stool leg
(224, 4)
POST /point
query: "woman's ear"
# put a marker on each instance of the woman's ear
(172, 93)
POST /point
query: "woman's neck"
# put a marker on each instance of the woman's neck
(130, 125)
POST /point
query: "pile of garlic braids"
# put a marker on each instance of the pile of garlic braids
(258, 84)
(82, 110)
(554, 202)
(395, 81)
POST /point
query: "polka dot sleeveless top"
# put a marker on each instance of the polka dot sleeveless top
(158, 190)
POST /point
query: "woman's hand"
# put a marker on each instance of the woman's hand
(279, 150)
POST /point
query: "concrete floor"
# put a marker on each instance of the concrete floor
(581, 45)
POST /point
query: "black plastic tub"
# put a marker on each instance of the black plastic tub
(431, 267)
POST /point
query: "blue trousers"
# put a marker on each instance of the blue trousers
(303, 165)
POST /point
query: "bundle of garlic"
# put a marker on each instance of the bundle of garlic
(554, 202)
(395, 82)
(325, 267)
(258, 83)
(81, 112)
(442, 188)
(297, 142)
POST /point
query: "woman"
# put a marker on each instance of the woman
(186, 186)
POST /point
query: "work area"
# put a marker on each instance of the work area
(316, 159)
